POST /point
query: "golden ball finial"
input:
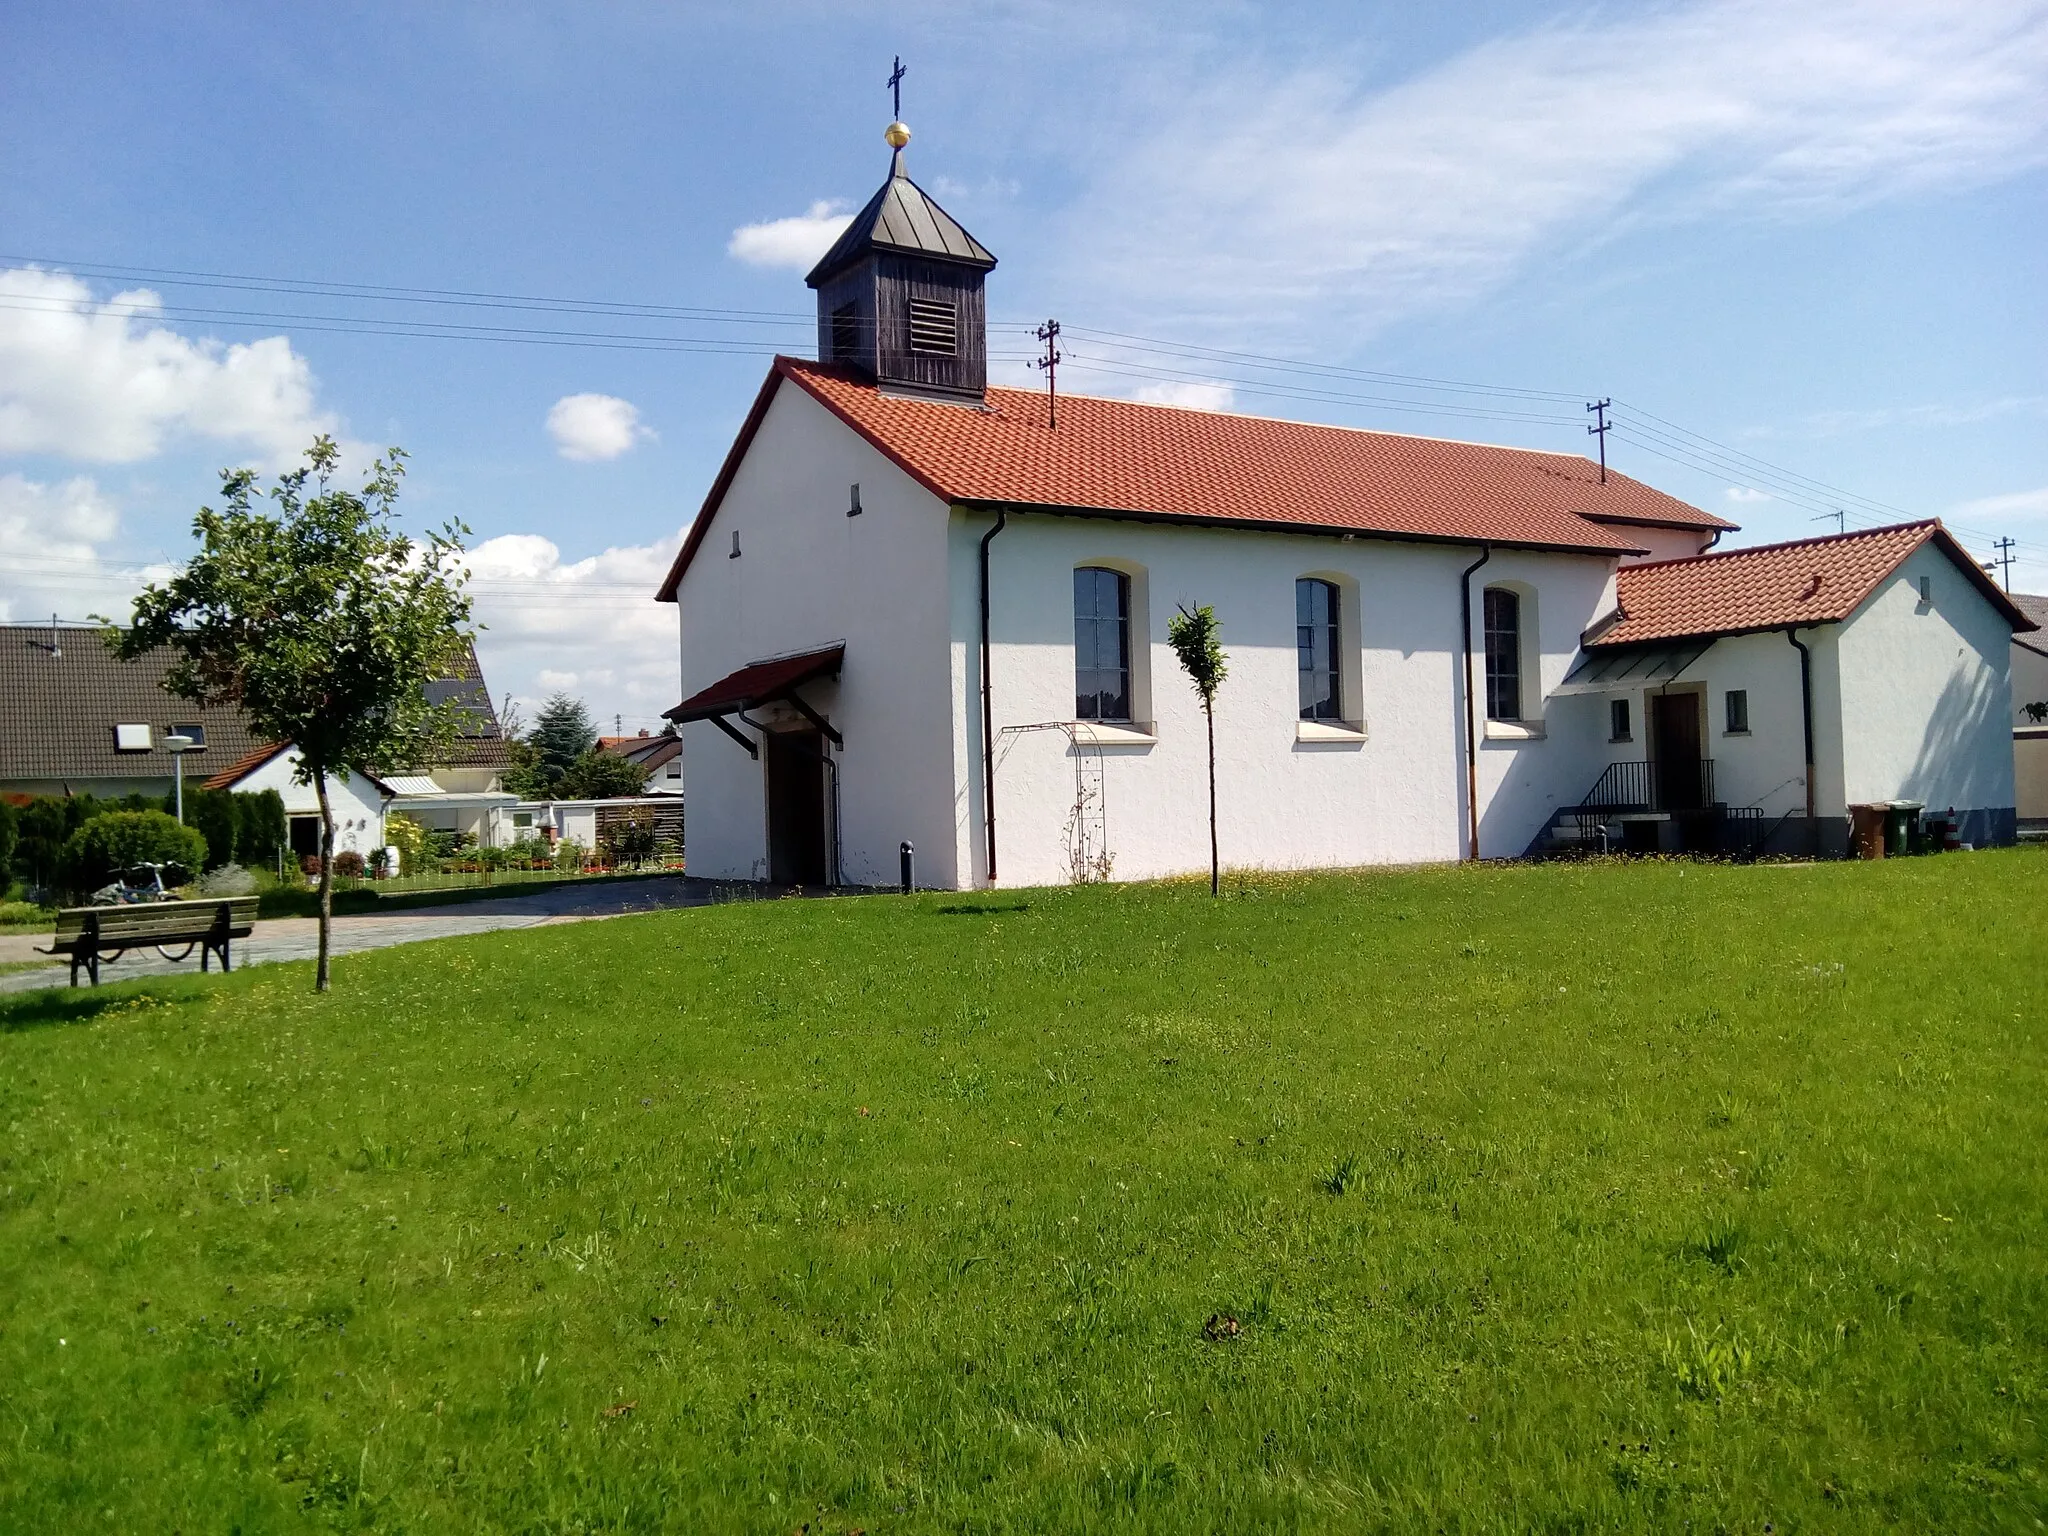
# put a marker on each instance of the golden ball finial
(896, 135)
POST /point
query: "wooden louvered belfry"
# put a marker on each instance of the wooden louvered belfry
(900, 296)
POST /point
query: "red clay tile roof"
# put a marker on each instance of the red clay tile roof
(758, 682)
(244, 765)
(1773, 586)
(1122, 458)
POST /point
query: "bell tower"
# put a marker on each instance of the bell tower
(900, 293)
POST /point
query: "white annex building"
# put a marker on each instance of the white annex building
(918, 609)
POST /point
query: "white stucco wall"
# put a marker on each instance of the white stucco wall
(809, 576)
(357, 804)
(1663, 543)
(1926, 692)
(1396, 795)
(2029, 676)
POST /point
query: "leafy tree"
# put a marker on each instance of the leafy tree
(261, 828)
(562, 732)
(526, 778)
(1196, 639)
(321, 622)
(42, 826)
(601, 775)
(119, 840)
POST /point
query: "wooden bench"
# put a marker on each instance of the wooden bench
(90, 935)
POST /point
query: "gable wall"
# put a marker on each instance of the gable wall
(357, 804)
(1926, 693)
(809, 576)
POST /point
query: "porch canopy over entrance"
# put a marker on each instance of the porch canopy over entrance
(763, 682)
(1633, 666)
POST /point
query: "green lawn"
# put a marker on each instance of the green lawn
(1641, 1196)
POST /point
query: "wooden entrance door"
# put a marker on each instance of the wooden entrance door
(1675, 731)
(796, 807)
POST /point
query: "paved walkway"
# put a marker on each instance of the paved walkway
(298, 938)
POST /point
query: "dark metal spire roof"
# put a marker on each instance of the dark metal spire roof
(902, 217)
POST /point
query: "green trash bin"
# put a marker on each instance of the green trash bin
(1902, 827)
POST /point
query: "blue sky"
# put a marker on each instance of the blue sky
(1809, 235)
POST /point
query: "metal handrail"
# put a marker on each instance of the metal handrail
(1639, 786)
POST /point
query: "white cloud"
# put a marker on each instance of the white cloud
(1325, 203)
(103, 381)
(2021, 504)
(55, 536)
(793, 242)
(1189, 395)
(1839, 423)
(593, 427)
(1744, 493)
(589, 627)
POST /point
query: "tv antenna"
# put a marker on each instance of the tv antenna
(1049, 333)
(1599, 408)
(1841, 519)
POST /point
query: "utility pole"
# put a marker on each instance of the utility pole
(1049, 333)
(1599, 408)
(2003, 558)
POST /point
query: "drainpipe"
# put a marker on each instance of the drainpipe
(1806, 720)
(1471, 729)
(988, 724)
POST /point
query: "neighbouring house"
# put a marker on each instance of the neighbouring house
(661, 756)
(463, 791)
(83, 721)
(80, 721)
(2029, 732)
(357, 801)
(916, 608)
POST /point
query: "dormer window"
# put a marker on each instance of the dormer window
(934, 327)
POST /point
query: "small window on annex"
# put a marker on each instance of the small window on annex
(1315, 647)
(1102, 644)
(1617, 721)
(1503, 654)
(1736, 704)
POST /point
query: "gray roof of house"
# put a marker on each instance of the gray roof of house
(902, 217)
(2035, 606)
(62, 692)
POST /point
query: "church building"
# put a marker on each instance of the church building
(915, 608)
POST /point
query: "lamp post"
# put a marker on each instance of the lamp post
(178, 746)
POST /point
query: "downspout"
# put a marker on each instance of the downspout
(988, 724)
(1471, 728)
(1806, 720)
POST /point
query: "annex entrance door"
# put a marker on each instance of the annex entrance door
(796, 807)
(1675, 745)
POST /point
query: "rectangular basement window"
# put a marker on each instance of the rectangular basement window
(934, 328)
(131, 738)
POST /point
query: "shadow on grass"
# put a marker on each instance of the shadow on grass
(990, 909)
(53, 1006)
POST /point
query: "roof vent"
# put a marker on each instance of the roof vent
(1812, 588)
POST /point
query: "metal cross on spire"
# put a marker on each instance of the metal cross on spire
(896, 89)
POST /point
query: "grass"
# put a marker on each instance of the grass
(1571, 1198)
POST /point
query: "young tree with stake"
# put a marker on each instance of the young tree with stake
(1195, 638)
(320, 622)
